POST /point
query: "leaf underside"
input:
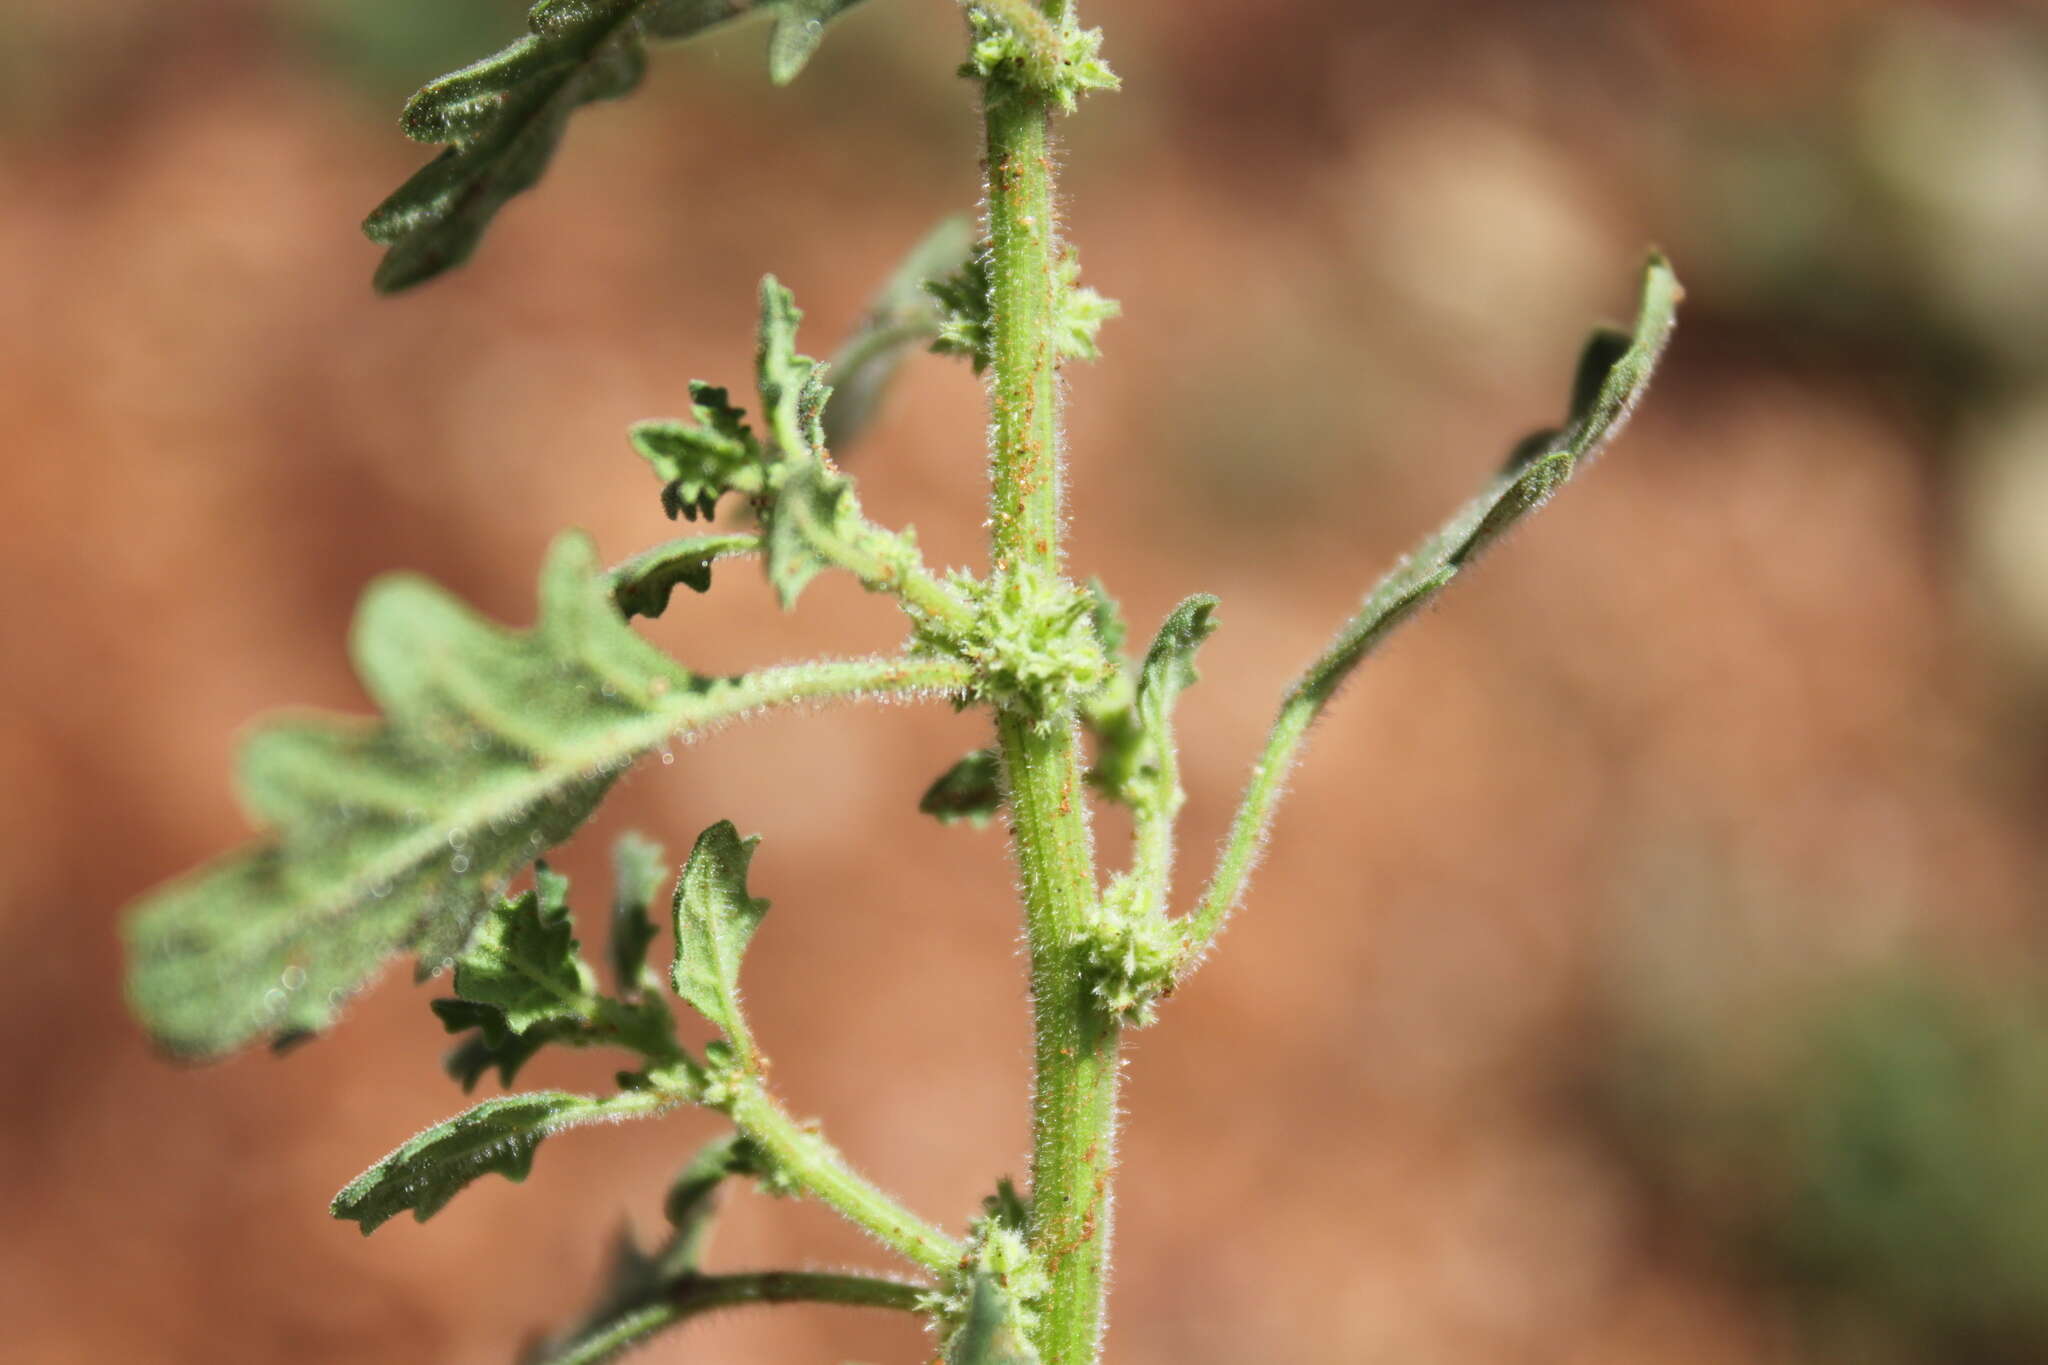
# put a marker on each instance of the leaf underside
(394, 835)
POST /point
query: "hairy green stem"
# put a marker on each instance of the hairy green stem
(693, 1295)
(1024, 502)
(815, 1166)
(869, 557)
(1074, 1106)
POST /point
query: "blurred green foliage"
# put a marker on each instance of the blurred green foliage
(1869, 1148)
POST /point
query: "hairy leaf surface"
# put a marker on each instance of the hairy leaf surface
(499, 1135)
(644, 583)
(496, 745)
(715, 919)
(523, 961)
(503, 117)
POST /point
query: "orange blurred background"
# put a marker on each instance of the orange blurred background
(1647, 966)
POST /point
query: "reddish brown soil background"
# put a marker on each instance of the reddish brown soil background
(1356, 244)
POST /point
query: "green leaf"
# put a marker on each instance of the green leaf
(813, 506)
(502, 118)
(715, 919)
(1612, 377)
(965, 326)
(799, 29)
(493, 1045)
(523, 960)
(902, 315)
(970, 790)
(642, 585)
(637, 873)
(792, 398)
(498, 1135)
(496, 745)
(690, 1201)
(1169, 669)
(698, 464)
(1082, 311)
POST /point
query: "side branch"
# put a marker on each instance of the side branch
(1613, 374)
(693, 1295)
(801, 1157)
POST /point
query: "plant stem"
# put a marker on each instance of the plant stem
(697, 1294)
(1074, 1107)
(1024, 493)
(815, 1166)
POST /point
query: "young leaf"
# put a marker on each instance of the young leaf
(970, 790)
(963, 301)
(698, 464)
(523, 960)
(902, 315)
(812, 506)
(637, 873)
(496, 745)
(503, 117)
(1168, 670)
(715, 919)
(792, 399)
(498, 1135)
(642, 585)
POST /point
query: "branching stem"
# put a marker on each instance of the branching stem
(803, 1157)
(1074, 1107)
(693, 1295)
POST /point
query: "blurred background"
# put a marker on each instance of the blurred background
(1649, 963)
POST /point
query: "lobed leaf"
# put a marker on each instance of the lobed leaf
(499, 1136)
(495, 746)
(699, 464)
(643, 584)
(715, 919)
(493, 1045)
(502, 118)
(523, 960)
(813, 507)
